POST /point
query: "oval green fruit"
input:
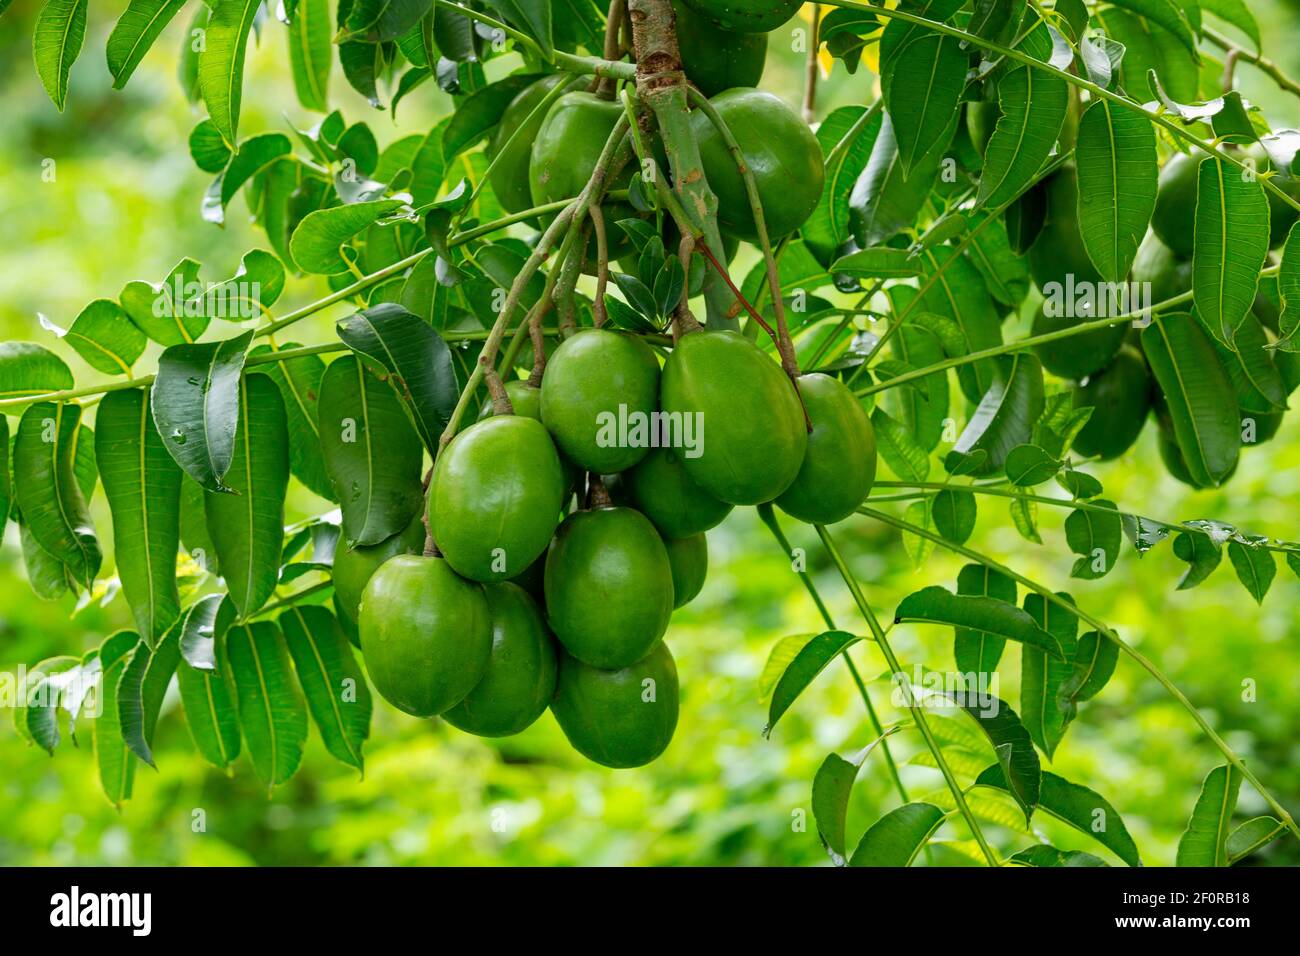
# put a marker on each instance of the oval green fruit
(618, 718)
(1076, 356)
(689, 560)
(609, 586)
(839, 466)
(981, 120)
(1158, 265)
(661, 489)
(746, 16)
(425, 634)
(781, 153)
(1174, 217)
(751, 430)
(716, 59)
(599, 394)
(1058, 255)
(354, 567)
(525, 399)
(511, 157)
(496, 496)
(1120, 396)
(520, 678)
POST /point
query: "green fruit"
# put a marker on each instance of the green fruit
(1158, 265)
(1120, 396)
(840, 463)
(1059, 253)
(520, 678)
(618, 718)
(509, 176)
(689, 559)
(595, 383)
(496, 497)
(1174, 217)
(525, 399)
(609, 586)
(781, 153)
(353, 568)
(661, 489)
(746, 16)
(981, 119)
(425, 634)
(752, 434)
(1076, 356)
(715, 59)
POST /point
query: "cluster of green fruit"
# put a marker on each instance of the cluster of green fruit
(545, 596)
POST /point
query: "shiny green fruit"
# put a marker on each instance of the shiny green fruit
(520, 678)
(1076, 356)
(689, 559)
(715, 59)
(618, 718)
(426, 634)
(598, 395)
(526, 400)
(981, 120)
(751, 429)
(1160, 266)
(746, 16)
(1058, 257)
(781, 153)
(1174, 217)
(839, 466)
(1120, 396)
(496, 497)
(511, 158)
(661, 489)
(353, 568)
(609, 586)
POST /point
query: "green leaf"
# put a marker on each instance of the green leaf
(831, 789)
(479, 113)
(921, 411)
(379, 21)
(299, 380)
(1254, 834)
(957, 292)
(271, 712)
(1255, 567)
(978, 652)
(254, 155)
(221, 62)
(1028, 465)
(60, 31)
(905, 458)
(922, 93)
(827, 228)
(531, 16)
(143, 487)
(372, 454)
(1288, 287)
(416, 358)
(1033, 106)
(113, 759)
(1041, 679)
(1202, 555)
(1149, 47)
(1079, 807)
(159, 310)
(317, 242)
(335, 689)
(1005, 271)
(1006, 414)
(918, 546)
(884, 201)
(210, 714)
(246, 521)
(46, 575)
(135, 32)
(1205, 841)
(30, 369)
(1044, 855)
(878, 262)
(1167, 14)
(311, 53)
(1254, 375)
(937, 605)
(897, 837)
(1095, 536)
(104, 336)
(195, 402)
(807, 664)
(954, 515)
(140, 692)
(55, 684)
(46, 488)
(1011, 743)
(1230, 244)
(1236, 13)
(1116, 156)
(197, 636)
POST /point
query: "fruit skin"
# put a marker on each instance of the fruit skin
(753, 430)
(526, 400)
(1159, 265)
(689, 560)
(746, 16)
(1120, 396)
(509, 177)
(981, 119)
(1174, 217)
(716, 59)
(496, 496)
(425, 634)
(661, 489)
(586, 380)
(609, 586)
(779, 149)
(353, 568)
(839, 466)
(605, 714)
(520, 678)
(1077, 356)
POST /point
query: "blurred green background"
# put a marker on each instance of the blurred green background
(124, 204)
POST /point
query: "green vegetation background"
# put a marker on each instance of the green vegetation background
(125, 204)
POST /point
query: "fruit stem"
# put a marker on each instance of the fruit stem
(1142, 660)
(1262, 63)
(597, 493)
(602, 265)
(901, 681)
